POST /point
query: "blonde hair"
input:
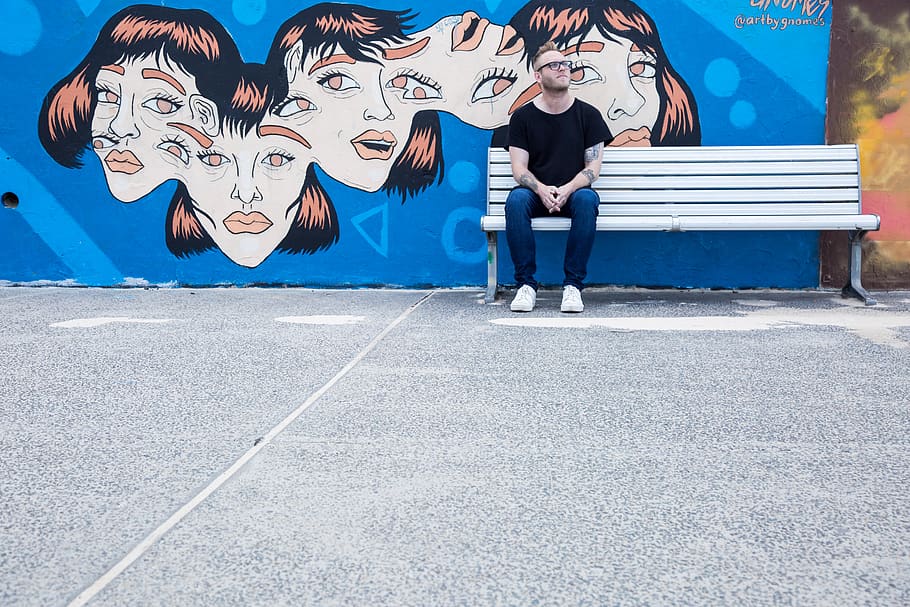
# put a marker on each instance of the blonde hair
(546, 47)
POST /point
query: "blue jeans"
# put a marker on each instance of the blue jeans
(523, 204)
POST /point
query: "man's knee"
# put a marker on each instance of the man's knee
(586, 200)
(519, 200)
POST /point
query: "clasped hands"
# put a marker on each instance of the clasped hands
(554, 198)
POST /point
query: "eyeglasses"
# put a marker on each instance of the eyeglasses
(556, 65)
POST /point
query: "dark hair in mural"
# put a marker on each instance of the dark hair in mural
(564, 21)
(244, 97)
(183, 233)
(361, 33)
(421, 161)
(246, 94)
(316, 225)
(191, 39)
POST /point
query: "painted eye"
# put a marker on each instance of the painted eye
(584, 74)
(100, 142)
(415, 87)
(277, 159)
(213, 159)
(643, 69)
(108, 96)
(338, 82)
(294, 107)
(492, 86)
(175, 148)
(162, 105)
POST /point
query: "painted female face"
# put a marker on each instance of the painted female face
(136, 99)
(458, 66)
(339, 105)
(620, 80)
(245, 191)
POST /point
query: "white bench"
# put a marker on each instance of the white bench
(678, 189)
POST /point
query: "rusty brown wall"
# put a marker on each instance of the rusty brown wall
(869, 103)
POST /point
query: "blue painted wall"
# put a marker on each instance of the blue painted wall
(756, 77)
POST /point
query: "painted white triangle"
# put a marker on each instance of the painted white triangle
(360, 222)
(88, 6)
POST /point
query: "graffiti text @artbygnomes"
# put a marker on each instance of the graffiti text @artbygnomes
(776, 24)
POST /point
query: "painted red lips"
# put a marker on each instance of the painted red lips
(373, 145)
(123, 162)
(247, 223)
(639, 138)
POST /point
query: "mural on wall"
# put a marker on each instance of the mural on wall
(870, 103)
(164, 94)
(345, 144)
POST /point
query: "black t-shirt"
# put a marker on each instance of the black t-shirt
(556, 143)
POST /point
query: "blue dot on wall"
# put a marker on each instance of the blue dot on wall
(742, 114)
(464, 177)
(722, 77)
(249, 12)
(461, 239)
(20, 27)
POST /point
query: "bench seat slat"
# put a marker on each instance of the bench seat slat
(751, 209)
(491, 223)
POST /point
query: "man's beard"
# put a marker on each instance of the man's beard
(554, 87)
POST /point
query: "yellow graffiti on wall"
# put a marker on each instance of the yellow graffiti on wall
(882, 115)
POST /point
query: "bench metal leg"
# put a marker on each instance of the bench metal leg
(854, 287)
(492, 265)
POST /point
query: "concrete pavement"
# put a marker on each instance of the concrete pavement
(366, 447)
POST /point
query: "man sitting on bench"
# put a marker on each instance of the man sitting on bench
(556, 139)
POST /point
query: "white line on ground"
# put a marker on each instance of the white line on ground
(87, 594)
(687, 323)
(756, 303)
(321, 320)
(90, 323)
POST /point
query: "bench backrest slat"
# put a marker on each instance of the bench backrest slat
(794, 196)
(808, 167)
(721, 153)
(708, 182)
(777, 180)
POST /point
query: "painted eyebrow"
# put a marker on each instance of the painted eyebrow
(151, 74)
(282, 131)
(342, 58)
(113, 67)
(200, 138)
(591, 46)
(405, 51)
(527, 95)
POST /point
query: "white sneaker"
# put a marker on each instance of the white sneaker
(525, 299)
(571, 300)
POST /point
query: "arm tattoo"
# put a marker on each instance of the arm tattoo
(589, 175)
(528, 181)
(593, 152)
